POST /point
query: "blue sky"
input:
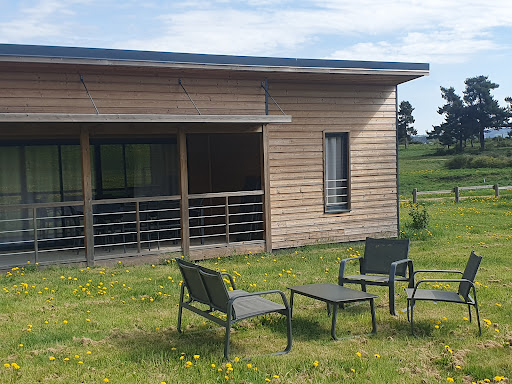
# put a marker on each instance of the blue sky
(459, 39)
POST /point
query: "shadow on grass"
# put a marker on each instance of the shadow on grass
(248, 339)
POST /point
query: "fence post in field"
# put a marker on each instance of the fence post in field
(496, 190)
(456, 190)
(415, 195)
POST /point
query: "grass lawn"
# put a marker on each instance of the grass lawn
(117, 324)
(423, 167)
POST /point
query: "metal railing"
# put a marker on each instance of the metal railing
(226, 218)
(136, 225)
(41, 233)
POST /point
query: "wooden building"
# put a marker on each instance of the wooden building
(111, 153)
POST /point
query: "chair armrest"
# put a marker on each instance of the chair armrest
(442, 281)
(261, 293)
(231, 280)
(436, 271)
(410, 268)
(342, 266)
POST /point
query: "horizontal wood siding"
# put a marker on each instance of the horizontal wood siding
(296, 162)
(131, 92)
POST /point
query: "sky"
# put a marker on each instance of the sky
(458, 38)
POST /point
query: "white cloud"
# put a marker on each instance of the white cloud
(39, 21)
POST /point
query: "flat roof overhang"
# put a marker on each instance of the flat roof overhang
(144, 118)
(33, 54)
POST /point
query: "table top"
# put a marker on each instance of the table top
(332, 293)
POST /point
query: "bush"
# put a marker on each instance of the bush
(474, 162)
(420, 217)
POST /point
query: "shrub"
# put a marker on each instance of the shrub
(420, 217)
(458, 162)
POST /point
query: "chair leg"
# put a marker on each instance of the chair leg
(469, 310)
(226, 340)
(392, 300)
(408, 305)
(478, 319)
(288, 330)
(180, 307)
(412, 317)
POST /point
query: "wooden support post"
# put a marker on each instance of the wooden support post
(456, 190)
(87, 194)
(267, 223)
(496, 190)
(415, 195)
(184, 208)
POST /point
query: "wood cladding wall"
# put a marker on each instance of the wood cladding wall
(367, 112)
(135, 92)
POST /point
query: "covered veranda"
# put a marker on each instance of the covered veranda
(83, 188)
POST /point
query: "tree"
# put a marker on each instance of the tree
(470, 116)
(483, 111)
(453, 128)
(405, 120)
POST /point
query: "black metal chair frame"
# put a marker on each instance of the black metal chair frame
(385, 262)
(462, 296)
(206, 286)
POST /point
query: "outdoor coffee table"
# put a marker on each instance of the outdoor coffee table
(335, 295)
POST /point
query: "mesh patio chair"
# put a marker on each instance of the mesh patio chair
(462, 296)
(207, 287)
(385, 262)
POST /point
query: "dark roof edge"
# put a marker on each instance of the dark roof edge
(59, 52)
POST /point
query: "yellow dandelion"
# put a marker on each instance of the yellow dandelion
(358, 354)
(196, 357)
(15, 366)
(249, 366)
(377, 356)
(352, 370)
(276, 376)
(213, 365)
(237, 359)
(450, 379)
(7, 365)
(51, 358)
(315, 363)
(105, 380)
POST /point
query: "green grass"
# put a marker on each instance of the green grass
(132, 337)
(85, 325)
(422, 167)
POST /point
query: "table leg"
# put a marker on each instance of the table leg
(334, 317)
(291, 304)
(374, 321)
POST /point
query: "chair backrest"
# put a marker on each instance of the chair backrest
(380, 253)
(216, 288)
(469, 274)
(193, 281)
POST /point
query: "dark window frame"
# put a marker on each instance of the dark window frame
(337, 191)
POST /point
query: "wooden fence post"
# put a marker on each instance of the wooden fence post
(496, 190)
(456, 190)
(415, 195)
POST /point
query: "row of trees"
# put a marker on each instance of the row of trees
(465, 118)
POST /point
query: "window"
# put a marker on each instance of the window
(336, 173)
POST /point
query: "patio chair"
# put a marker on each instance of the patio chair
(206, 286)
(385, 262)
(462, 296)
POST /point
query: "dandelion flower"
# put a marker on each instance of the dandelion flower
(213, 365)
(249, 366)
(358, 354)
(450, 379)
(7, 365)
(196, 357)
(106, 380)
(51, 358)
(15, 366)
(377, 356)
(315, 363)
